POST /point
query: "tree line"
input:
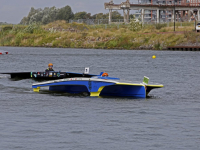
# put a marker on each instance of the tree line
(3, 23)
(51, 14)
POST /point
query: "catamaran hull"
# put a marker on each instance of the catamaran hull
(112, 90)
(98, 87)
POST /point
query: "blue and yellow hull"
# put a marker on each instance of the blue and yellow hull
(97, 87)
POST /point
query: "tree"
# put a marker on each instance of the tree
(65, 13)
(116, 15)
(53, 13)
(37, 17)
(131, 16)
(101, 16)
(46, 19)
(24, 21)
(88, 16)
(82, 15)
(48, 15)
(32, 12)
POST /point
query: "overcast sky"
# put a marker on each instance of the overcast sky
(12, 11)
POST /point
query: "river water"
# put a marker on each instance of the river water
(168, 119)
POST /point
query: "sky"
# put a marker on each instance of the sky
(12, 11)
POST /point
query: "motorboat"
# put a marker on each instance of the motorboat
(3, 52)
(52, 75)
(99, 86)
(48, 75)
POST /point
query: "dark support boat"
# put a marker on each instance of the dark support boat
(46, 75)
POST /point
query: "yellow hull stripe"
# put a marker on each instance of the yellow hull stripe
(156, 85)
(36, 89)
(98, 92)
(129, 84)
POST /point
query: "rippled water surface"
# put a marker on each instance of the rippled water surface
(169, 119)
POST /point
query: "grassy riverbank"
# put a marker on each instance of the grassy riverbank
(62, 34)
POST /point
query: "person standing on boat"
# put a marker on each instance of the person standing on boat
(50, 67)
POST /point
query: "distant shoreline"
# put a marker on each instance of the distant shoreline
(175, 48)
(60, 34)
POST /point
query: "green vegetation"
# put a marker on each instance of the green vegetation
(47, 15)
(52, 14)
(114, 36)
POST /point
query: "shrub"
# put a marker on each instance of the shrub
(158, 46)
(146, 40)
(7, 28)
(33, 28)
(189, 34)
(159, 26)
(112, 44)
(79, 26)
(135, 25)
(18, 38)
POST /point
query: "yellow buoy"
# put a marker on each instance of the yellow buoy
(154, 56)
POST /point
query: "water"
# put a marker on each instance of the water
(169, 119)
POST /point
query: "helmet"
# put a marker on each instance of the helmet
(50, 65)
(104, 74)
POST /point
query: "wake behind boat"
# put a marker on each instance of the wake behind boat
(99, 86)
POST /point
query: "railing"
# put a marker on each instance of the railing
(168, 3)
(146, 18)
(96, 21)
(147, 12)
(91, 21)
(147, 15)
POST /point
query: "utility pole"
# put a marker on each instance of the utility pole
(174, 15)
(195, 21)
